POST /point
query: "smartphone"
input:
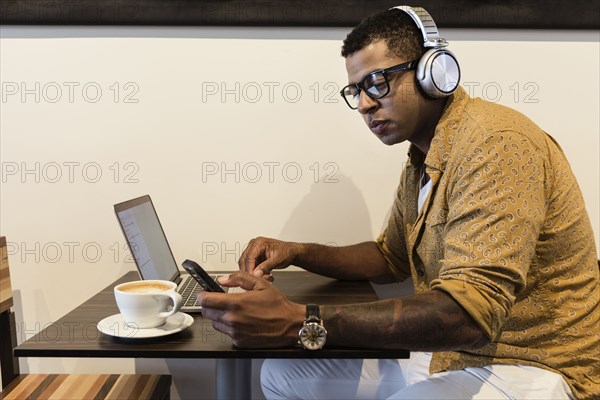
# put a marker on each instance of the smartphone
(202, 277)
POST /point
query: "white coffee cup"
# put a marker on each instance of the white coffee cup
(145, 304)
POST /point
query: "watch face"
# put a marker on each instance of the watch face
(313, 336)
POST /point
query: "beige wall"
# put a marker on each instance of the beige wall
(235, 133)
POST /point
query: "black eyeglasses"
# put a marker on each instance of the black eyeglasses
(376, 84)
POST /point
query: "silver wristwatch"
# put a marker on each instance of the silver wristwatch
(313, 334)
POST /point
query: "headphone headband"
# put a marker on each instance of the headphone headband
(431, 37)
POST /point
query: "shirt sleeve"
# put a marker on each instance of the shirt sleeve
(391, 241)
(496, 209)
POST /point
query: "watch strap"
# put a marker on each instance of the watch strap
(313, 313)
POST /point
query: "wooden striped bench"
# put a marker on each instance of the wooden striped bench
(80, 386)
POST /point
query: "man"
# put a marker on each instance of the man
(488, 221)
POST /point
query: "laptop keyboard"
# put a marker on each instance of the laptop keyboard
(189, 292)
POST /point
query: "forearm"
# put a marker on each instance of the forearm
(356, 262)
(426, 322)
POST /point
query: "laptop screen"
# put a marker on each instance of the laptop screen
(146, 239)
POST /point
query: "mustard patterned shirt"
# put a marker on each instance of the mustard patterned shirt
(505, 232)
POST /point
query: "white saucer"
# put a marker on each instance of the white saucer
(116, 326)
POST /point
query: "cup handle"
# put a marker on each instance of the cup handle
(177, 302)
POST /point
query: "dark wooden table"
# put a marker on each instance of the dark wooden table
(76, 335)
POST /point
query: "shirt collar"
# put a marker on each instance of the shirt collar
(443, 137)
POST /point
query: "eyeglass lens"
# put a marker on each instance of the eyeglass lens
(375, 85)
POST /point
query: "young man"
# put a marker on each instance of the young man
(489, 223)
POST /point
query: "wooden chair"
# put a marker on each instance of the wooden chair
(63, 386)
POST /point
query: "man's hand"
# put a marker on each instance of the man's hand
(262, 317)
(264, 255)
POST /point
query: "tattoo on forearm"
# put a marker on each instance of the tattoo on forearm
(431, 321)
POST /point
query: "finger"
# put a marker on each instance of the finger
(212, 314)
(245, 263)
(250, 255)
(214, 301)
(265, 267)
(221, 327)
(223, 280)
(245, 280)
(259, 273)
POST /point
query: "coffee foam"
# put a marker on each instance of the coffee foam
(145, 287)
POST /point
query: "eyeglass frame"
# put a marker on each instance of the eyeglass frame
(405, 66)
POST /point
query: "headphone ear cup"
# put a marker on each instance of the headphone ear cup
(438, 73)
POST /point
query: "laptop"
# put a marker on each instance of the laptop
(151, 251)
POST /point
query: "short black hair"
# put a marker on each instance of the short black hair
(395, 27)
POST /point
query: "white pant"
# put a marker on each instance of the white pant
(405, 379)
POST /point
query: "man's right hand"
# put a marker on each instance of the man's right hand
(262, 255)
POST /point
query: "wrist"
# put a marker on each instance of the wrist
(307, 255)
(297, 316)
(300, 250)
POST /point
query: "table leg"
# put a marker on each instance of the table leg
(233, 378)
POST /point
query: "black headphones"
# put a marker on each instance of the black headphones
(438, 72)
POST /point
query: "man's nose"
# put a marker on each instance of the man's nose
(365, 103)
